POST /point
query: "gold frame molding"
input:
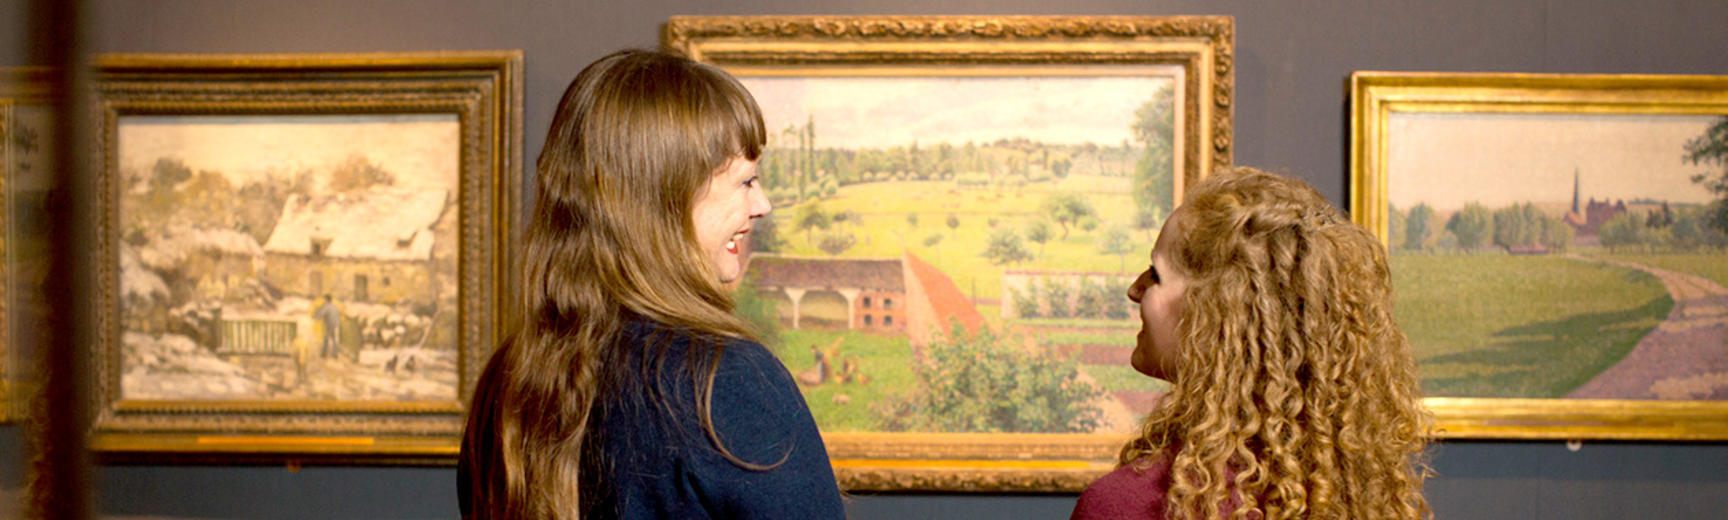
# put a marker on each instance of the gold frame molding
(482, 88)
(1376, 95)
(1203, 46)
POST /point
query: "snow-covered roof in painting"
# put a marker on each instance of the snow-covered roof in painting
(170, 247)
(379, 224)
(136, 281)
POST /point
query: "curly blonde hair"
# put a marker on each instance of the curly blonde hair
(1295, 395)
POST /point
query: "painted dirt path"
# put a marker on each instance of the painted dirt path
(1684, 358)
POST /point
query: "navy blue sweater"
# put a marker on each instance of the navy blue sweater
(653, 459)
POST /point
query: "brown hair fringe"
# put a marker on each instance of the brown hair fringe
(635, 140)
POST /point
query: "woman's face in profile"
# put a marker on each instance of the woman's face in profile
(1160, 291)
(725, 212)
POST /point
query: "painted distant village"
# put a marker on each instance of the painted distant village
(327, 285)
(1531, 228)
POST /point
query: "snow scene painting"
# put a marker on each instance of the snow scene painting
(288, 258)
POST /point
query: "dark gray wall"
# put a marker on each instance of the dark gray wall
(1292, 61)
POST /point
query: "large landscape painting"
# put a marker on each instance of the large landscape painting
(1556, 255)
(288, 258)
(949, 253)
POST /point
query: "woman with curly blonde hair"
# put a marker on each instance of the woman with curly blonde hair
(1293, 394)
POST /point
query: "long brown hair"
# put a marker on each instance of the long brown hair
(635, 140)
(1295, 395)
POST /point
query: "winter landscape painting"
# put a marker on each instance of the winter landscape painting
(288, 258)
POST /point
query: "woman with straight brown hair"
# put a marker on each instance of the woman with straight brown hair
(629, 390)
(1293, 394)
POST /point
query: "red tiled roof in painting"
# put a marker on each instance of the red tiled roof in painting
(877, 274)
(945, 298)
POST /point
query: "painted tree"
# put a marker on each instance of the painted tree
(1025, 303)
(1471, 225)
(1092, 300)
(1520, 225)
(1556, 234)
(981, 382)
(1623, 231)
(1153, 182)
(1056, 293)
(358, 173)
(765, 236)
(760, 312)
(810, 217)
(1419, 226)
(1039, 233)
(1395, 226)
(932, 241)
(1116, 242)
(1005, 247)
(836, 243)
(1065, 209)
(1711, 149)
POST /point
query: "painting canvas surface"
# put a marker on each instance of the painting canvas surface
(949, 253)
(1544, 255)
(288, 258)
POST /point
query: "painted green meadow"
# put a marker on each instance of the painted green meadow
(1496, 325)
(842, 407)
(1711, 266)
(895, 216)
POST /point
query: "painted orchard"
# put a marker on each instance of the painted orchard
(950, 254)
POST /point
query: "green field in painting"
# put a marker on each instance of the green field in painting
(1116, 339)
(1123, 378)
(1710, 266)
(1520, 326)
(883, 229)
(886, 360)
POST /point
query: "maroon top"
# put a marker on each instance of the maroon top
(1126, 493)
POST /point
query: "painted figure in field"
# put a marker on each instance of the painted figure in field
(1294, 394)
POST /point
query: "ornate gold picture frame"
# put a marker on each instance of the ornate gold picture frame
(304, 257)
(961, 187)
(1557, 260)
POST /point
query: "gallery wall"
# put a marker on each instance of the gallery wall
(1292, 62)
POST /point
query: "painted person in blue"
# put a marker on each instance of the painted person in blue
(629, 389)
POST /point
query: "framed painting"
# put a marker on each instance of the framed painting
(961, 203)
(1558, 247)
(303, 256)
(26, 162)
